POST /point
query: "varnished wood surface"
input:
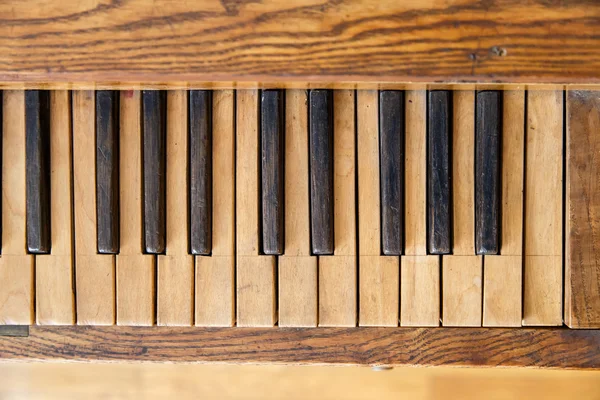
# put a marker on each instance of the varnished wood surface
(582, 272)
(548, 348)
(308, 40)
(55, 381)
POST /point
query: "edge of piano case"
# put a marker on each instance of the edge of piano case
(492, 347)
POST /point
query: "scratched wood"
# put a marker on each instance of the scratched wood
(310, 40)
(582, 276)
(525, 347)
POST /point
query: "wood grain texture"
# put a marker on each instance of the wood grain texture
(298, 270)
(200, 170)
(320, 114)
(343, 346)
(337, 273)
(488, 138)
(391, 165)
(542, 280)
(255, 274)
(94, 273)
(16, 266)
(378, 275)
(582, 271)
(175, 269)
(439, 172)
(37, 138)
(310, 40)
(272, 134)
(107, 170)
(135, 272)
(503, 274)
(215, 275)
(154, 159)
(54, 274)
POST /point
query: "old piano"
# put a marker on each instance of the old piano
(306, 182)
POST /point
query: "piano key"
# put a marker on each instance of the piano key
(135, 271)
(438, 172)
(154, 161)
(94, 273)
(462, 270)
(200, 142)
(337, 273)
(16, 265)
(107, 171)
(297, 268)
(487, 171)
(215, 275)
(54, 295)
(542, 295)
(37, 126)
(321, 170)
(272, 131)
(175, 269)
(502, 288)
(378, 275)
(391, 136)
(420, 273)
(255, 273)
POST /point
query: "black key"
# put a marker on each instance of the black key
(200, 139)
(154, 163)
(272, 135)
(107, 170)
(37, 154)
(321, 170)
(439, 196)
(488, 133)
(391, 165)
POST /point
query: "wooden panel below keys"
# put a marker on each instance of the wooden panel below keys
(378, 275)
(419, 273)
(337, 273)
(543, 209)
(55, 301)
(502, 289)
(256, 299)
(135, 271)
(175, 270)
(95, 273)
(297, 267)
(215, 274)
(582, 276)
(16, 266)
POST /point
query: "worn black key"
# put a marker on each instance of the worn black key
(154, 163)
(107, 171)
(321, 170)
(200, 159)
(271, 143)
(439, 196)
(391, 166)
(37, 156)
(488, 133)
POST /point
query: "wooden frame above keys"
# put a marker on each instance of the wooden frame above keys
(301, 41)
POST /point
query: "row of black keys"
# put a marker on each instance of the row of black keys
(391, 130)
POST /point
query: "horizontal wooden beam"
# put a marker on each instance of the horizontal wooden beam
(291, 42)
(520, 347)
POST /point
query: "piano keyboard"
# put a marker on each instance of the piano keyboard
(282, 207)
